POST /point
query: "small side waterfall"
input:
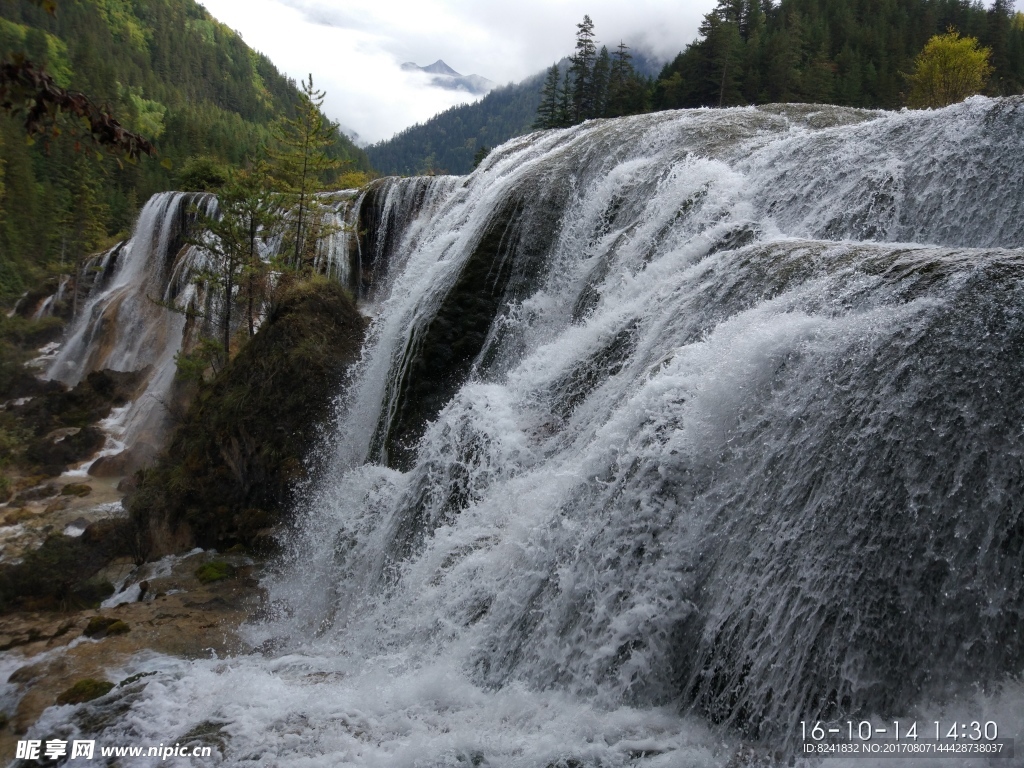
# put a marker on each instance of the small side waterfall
(141, 302)
(671, 432)
(124, 323)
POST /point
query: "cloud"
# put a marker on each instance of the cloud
(355, 48)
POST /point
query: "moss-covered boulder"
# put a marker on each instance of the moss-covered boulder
(104, 626)
(76, 489)
(215, 570)
(230, 466)
(85, 690)
(62, 573)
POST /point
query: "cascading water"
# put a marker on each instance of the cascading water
(143, 301)
(124, 322)
(672, 431)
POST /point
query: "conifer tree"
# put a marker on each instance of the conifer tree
(82, 225)
(565, 108)
(599, 83)
(582, 71)
(248, 213)
(620, 78)
(300, 163)
(547, 110)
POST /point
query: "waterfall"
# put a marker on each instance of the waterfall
(123, 321)
(671, 432)
(143, 301)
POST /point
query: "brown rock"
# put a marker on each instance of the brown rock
(110, 466)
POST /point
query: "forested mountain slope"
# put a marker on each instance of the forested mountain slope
(164, 68)
(851, 52)
(848, 52)
(449, 141)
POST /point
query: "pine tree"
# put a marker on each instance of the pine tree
(83, 222)
(619, 79)
(248, 212)
(599, 83)
(582, 71)
(565, 108)
(300, 163)
(547, 110)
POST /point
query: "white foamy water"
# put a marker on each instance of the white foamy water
(671, 432)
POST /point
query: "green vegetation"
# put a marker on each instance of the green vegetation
(449, 141)
(85, 690)
(62, 573)
(299, 166)
(249, 212)
(215, 570)
(850, 52)
(231, 465)
(948, 70)
(166, 69)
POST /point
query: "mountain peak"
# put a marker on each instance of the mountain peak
(440, 68)
(446, 77)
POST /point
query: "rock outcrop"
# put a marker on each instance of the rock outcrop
(228, 472)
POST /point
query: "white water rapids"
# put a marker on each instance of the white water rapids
(671, 432)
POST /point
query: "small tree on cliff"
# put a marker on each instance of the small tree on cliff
(248, 213)
(948, 70)
(299, 164)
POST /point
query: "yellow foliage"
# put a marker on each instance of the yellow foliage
(948, 70)
(353, 180)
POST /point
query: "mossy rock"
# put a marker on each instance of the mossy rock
(118, 628)
(85, 690)
(215, 570)
(232, 463)
(99, 626)
(19, 515)
(62, 573)
(76, 489)
(103, 626)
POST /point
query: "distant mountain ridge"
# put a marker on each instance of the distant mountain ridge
(449, 141)
(447, 78)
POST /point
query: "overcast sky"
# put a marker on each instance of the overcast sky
(354, 48)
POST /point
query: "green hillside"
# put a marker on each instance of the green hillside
(448, 142)
(850, 52)
(164, 68)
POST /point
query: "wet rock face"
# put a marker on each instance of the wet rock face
(64, 573)
(62, 422)
(503, 268)
(177, 614)
(227, 474)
